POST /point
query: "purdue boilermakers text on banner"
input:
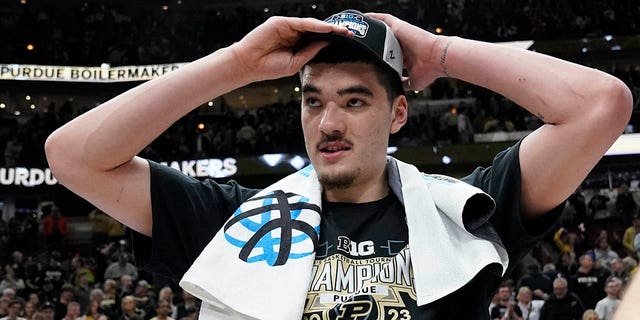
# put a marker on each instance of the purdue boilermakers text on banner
(85, 74)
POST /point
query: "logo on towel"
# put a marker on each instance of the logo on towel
(274, 228)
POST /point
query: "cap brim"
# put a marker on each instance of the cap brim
(339, 39)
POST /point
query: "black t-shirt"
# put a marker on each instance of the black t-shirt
(358, 239)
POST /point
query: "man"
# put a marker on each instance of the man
(504, 308)
(619, 270)
(352, 100)
(163, 310)
(607, 306)
(129, 311)
(588, 282)
(536, 281)
(144, 299)
(117, 269)
(49, 311)
(14, 310)
(562, 305)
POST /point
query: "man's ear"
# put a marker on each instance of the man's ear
(400, 113)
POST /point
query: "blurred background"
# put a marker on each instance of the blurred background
(59, 59)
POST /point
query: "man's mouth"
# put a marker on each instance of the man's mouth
(331, 147)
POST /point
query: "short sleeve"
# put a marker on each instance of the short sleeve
(187, 213)
(502, 182)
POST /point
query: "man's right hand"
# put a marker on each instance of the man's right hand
(269, 51)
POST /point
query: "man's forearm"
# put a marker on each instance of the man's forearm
(553, 89)
(114, 132)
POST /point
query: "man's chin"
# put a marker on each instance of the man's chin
(337, 180)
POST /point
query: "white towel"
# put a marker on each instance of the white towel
(259, 265)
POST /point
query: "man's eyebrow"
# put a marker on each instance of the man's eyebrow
(359, 89)
(309, 88)
(356, 89)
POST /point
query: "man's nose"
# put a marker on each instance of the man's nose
(333, 119)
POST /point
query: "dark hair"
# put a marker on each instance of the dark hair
(345, 53)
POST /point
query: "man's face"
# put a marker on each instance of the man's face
(14, 309)
(504, 293)
(617, 265)
(74, 311)
(346, 119)
(613, 288)
(163, 308)
(586, 262)
(560, 290)
(49, 313)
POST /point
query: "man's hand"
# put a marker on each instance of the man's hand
(420, 52)
(268, 52)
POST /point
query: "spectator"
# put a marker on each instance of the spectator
(129, 310)
(167, 294)
(588, 282)
(629, 236)
(562, 304)
(4, 306)
(603, 253)
(505, 307)
(126, 285)
(93, 312)
(29, 310)
(144, 299)
(188, 305)
(625, 204)
(13, 312)
(110, 304)
(607, 306)
(49, 311)
(590, 314)
(66, 297)
(10, 295)
(73, 311)
(529, 308)
(10, 281)
(630, 265)
(536, 281)
(599, 213)
(163, 310)
(121, 267)
(54, 227)
(618, 270)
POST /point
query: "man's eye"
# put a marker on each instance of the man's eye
(355, 102)
(312, 102)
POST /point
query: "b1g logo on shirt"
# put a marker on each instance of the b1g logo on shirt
(355, 249)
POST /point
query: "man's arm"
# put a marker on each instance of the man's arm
(584, 110)
(95, 154)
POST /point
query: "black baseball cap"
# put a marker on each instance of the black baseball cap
(371, 35)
